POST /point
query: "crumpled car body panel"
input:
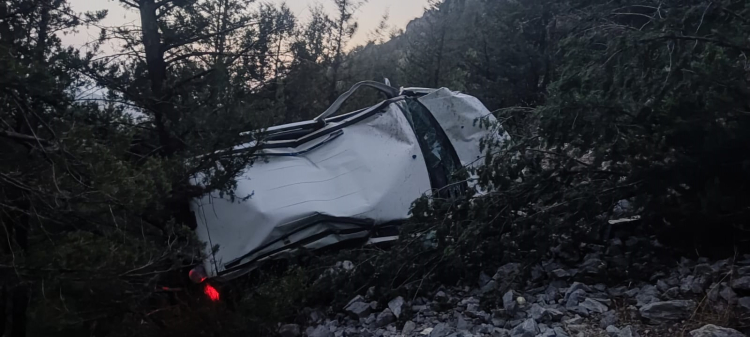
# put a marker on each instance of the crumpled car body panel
(342, 182)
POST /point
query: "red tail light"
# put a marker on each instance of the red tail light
(211, 292)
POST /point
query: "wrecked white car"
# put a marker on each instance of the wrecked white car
(349, 177)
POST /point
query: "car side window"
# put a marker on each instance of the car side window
(439, 155)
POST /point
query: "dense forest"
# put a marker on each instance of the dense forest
(637, 100)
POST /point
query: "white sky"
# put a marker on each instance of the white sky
(368, 16)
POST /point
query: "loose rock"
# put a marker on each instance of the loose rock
(711, 330)
(384, 318)
(359, 309)
(609, 318)
(440, 330)
(628, 331)
(508, 303)
(594, 306)
(744, 303)
(528, 328)
(507, 272)
(395, 305)
(647, 294)
(409, 327)
(612, 331)
(741, 283)
(290, 330)
(667, 311)
(320, 331)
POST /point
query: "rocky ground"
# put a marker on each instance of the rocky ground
(699, 298)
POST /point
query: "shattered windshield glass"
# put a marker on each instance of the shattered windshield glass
(440, 157)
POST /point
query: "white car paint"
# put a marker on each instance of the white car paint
(338, 183)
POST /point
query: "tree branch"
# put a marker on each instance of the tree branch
(130, 3)
(177, 44)
(697, 38)
(22, 137)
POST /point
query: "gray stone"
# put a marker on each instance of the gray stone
(290, 330)
(728, 294)
(507, 272)
(647, 294)
(374, 305)
(741, 283)
(744, 303)
(612, 331)
(575, 320)
(703, 269)
(559, 332)
(536, 312)
(483, 279)
(384, 318)
(441, 330)
(537, 273)
(499, 332)
(547, 333)
(553, 314)
(593, 266)
(711, 330)
(744, 271)
(605, 301)
(667, 311)
(713, 292)
(617, 291)
(409, 327)
(662, 285)
(560, 273)
(720, 265)
(697, 285)
(483, 329)
(395, 306)
(419, 308)
(574, 298)
(528, 328)
(320, 331)
(370, 292)
(576, 286)
(577, 327)
(556, 332)
(672, 293)
(489, 286)
(370, 319)
(359, 309)
(551, 292)
(461, 323)
(441, 297)
(509, 303)
(594, 306)
(579, 310)
(628, 331)
(609, 318)
(514, 323)
(632, 292)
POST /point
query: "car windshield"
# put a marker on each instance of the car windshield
(440, 157)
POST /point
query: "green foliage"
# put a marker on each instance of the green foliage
(632, 100)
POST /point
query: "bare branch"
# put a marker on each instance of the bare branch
(130, 3)
(698, 38)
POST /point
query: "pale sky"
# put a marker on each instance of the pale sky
(368, 16)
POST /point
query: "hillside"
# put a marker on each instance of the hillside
(623, 184)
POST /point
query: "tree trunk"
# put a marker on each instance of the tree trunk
(163, 111)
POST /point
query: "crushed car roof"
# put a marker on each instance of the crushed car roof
(349, 177)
